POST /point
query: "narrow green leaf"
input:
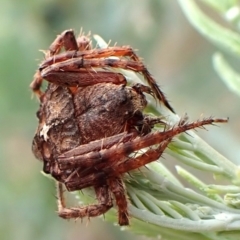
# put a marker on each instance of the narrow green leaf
(219, 35)
(221, 6)
(212, 188)
(194, 181)
(229, 76)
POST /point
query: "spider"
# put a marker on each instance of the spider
(91, 124)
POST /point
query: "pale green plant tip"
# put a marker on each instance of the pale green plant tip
(159, 168)
(232, 199)
(197, 183)
(222, 189)
(190, 178)
(192, 160)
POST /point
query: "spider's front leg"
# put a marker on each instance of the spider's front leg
(115, 168)
(82, 78)
(104, 203)
(116, 186)
(122, 150)
(64, 160)
(67, 40)
(100, 58)
(94, 146)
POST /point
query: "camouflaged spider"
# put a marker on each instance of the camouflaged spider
(91, 123)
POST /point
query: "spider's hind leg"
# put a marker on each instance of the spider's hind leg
(104, 204)
(116, 186)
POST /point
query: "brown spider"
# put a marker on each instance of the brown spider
(91, 124)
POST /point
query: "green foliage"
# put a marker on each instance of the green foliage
(221, 36)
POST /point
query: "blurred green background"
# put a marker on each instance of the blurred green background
(177, 56)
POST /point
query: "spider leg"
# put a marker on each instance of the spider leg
(116, 186)
(82, 78)
(106, 143)
(36, 84)
(117, 168)
(72, 79)
(94, 146)
(101, 58)
(75, 64)
(67, 40)
(114, 182)
(89, 54)
(104, 203)
(149, 156)
(122, 150)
